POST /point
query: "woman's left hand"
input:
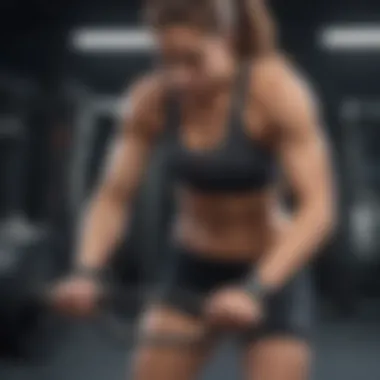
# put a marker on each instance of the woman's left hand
(233, 307)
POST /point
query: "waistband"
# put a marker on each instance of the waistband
(211, 259)
(190, 264)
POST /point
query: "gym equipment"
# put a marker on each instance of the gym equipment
(25, 307)
(24, 265)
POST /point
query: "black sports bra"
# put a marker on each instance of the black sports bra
(239, 164)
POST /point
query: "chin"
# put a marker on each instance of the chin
(195, 86)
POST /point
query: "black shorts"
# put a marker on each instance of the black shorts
(289, 311)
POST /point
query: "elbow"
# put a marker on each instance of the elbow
(326, 221)
(320, 217)
(329, 224)
(113, 197)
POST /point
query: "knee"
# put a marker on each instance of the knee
(145, 364)
(161, 322)
(279, 358)
(158, 354)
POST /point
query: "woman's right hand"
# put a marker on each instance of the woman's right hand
(76, 296)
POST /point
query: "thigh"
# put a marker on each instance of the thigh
(278, 358)
(156, 359)
(290, 312)
(279, 349)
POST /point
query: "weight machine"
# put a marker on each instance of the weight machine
(361, 154)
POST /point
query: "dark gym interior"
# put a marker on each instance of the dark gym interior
(62, 69)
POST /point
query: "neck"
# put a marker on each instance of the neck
(206, 95)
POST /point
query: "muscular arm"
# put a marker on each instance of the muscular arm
(109, 210)
(304, 155)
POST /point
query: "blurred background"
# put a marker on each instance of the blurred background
(63, 66)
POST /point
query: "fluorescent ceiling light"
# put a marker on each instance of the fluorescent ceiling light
(356, 37)
(112, 40)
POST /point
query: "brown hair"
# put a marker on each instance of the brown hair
(251, 28)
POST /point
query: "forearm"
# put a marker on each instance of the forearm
(295, 248)
(102, 230)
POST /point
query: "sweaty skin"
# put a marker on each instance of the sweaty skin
(281, 113)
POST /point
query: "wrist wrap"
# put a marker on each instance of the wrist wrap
(256, 289)
(88, 272)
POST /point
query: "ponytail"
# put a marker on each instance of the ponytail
(253, 29)
(248, 21)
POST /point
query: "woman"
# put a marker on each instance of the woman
(237, 111)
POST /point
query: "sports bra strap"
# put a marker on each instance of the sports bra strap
(241, 91)
(239, 97)
(172, 112)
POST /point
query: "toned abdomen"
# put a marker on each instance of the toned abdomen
(231, 227)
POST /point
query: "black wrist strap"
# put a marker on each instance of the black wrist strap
(254, 287)
(88, 272)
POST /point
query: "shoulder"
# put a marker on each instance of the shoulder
(275, 78)
(284, 93)
(142, 104)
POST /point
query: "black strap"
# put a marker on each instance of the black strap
(173, 113)
(256, 289)
(239, 99)
(89, 272)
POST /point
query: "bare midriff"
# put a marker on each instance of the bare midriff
(235, 227)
